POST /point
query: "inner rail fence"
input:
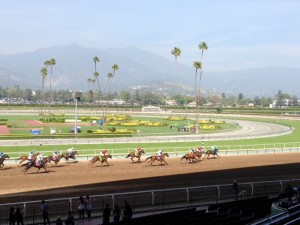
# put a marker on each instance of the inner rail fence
(176, 151)
(147, 201)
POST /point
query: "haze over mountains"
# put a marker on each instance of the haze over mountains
(74, 65)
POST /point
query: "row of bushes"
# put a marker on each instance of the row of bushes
(211, 121)
(173, 118)
(138, 123)
(52, 120)
(66, 135)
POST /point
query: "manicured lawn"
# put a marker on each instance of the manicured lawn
(286, 140)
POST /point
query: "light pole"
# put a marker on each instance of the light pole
(77, 96)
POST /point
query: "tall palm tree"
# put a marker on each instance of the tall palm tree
(203, 47)
(44, 73)
(96, 74)
(176, 52)
(52, 62)
(115, 67)
(47, 63)
(91, 81)
(197, 65)
(110, 76)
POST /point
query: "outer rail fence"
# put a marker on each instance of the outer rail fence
(147, 201)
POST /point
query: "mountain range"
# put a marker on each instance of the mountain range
(138, 68)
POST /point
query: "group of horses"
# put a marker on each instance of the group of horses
(27, 163)
(197, 155)
(33, 162)
(189, 157)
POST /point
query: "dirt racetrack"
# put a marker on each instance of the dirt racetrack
(74, 179)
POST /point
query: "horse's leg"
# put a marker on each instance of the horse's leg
(45, 169)
(25, 170)
(152, 161)
(20, 163)
(165, 162)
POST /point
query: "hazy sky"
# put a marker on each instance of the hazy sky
(239, 33)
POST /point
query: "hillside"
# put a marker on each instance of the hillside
(137, 67)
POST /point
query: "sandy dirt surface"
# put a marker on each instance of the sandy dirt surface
(74, 179)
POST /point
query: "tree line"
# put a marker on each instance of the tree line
(15, 94)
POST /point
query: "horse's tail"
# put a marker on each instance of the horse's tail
(183, 157)
(148, 158)
(128, 155)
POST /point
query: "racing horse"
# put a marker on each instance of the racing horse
(135, 155)
(195, 156)
(160, 159)
(5, 156)
(67, 157)
(54, 159)
(102, 159)
(33, 163)
(25, 158)
(211, 152)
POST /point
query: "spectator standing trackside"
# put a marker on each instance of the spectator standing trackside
(235, 187)
(106, 215)
(19, 216)
(59, 221)
(12, 216)
(81, 207)
(88, 208)
(116, 213)
(70, 219)
(45, 210)
(127, 211)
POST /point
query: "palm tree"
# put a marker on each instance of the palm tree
(202, 46)
(47, 63)
(115, 67)
(52, 62)
(177, 52)
(96, 74)
(44, 73)
(110, 76)
(91, 81)
(197, 65)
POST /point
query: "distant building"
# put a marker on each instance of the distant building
(192, 104)
(170, 102)
(151, 108)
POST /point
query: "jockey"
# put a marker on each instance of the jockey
(55, 154)
(199, 149)
(213, 148)
(138, 150)
(40, 157)
(192, 151)
(103, 153)
(70, 151)
(30, 154)
(1, 154)
(159, 153)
